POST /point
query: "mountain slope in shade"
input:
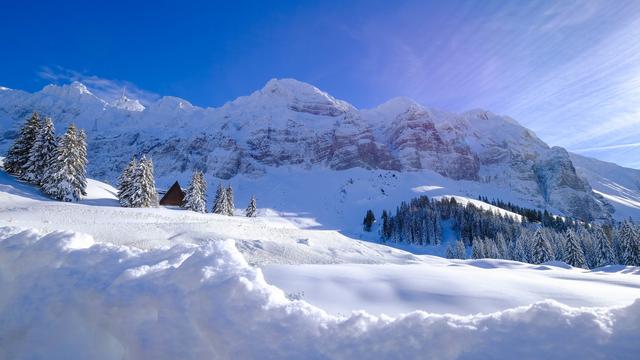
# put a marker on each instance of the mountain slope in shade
(290, 124)
(620, 186)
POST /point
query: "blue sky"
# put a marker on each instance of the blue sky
(570, 70)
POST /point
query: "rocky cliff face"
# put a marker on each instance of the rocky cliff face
(289, 123)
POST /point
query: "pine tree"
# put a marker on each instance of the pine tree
(490, 249)
(138, 188)
(148, 184)
(80, 161)
(588, 245)
(220, 204)
(541, 250)
(477, 249)
(460, 250)
(501, 245)
(629, 245)
(251, 208)
(41, 153)
(450, 252)
(196, 197)
(18, 154)
(59, 181)
(135, 192)
(125, 183)
(386, 225)
(604, 250)
(573, 254)
(368, 221)
(230, 203)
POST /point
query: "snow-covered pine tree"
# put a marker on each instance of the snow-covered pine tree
(251, 208)
(41, 153)
(125, 183)
(588, 246)
(231, 207)
(80, 161)
(604, 250)
(573, 254)
(195, 199)
(460, 250)
(59, 181)
(541, 249)
(501, 244)
(437, 231)
(477, 249)
(220, 204)
(18, 154)
(148, 182)
(135, 193)
(450, 252)
(490, 249)
(557, 241)
(629, 245)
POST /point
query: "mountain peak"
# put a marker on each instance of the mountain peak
(125, 103)
(289, 85)
(74, 89)
(294, 95)
(398, 105)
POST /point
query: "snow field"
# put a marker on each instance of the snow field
(102, 282)
(64, 294)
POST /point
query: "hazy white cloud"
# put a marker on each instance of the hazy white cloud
(596, 95)
(569, 13)
(106, 89)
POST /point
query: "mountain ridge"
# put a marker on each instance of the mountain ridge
(291, 123)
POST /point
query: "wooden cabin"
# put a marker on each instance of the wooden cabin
(174, 196)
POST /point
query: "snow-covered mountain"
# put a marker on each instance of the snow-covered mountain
(293, 125)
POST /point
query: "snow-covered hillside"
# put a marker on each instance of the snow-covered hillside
(93, 280)
(618, 185)
(292, 127)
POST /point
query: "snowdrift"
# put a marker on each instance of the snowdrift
(64, 294)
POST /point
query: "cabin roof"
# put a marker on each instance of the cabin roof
(174, 196)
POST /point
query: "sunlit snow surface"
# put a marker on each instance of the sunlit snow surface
(93, 280)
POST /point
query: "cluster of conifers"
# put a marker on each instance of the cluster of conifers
(136, 188)
(494, 235)
(57, 164)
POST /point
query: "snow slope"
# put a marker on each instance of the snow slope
(618, 185)
(442, 286)
(93, 280)
(66, 297)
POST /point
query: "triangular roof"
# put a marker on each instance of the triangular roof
(173, 196)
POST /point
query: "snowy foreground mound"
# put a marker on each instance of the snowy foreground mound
(66, 296)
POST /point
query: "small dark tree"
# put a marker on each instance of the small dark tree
(251, 208)
(386, 225)
(368, 221)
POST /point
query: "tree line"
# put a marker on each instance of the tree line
(532, 215)
(58, 165)
(487, 234)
